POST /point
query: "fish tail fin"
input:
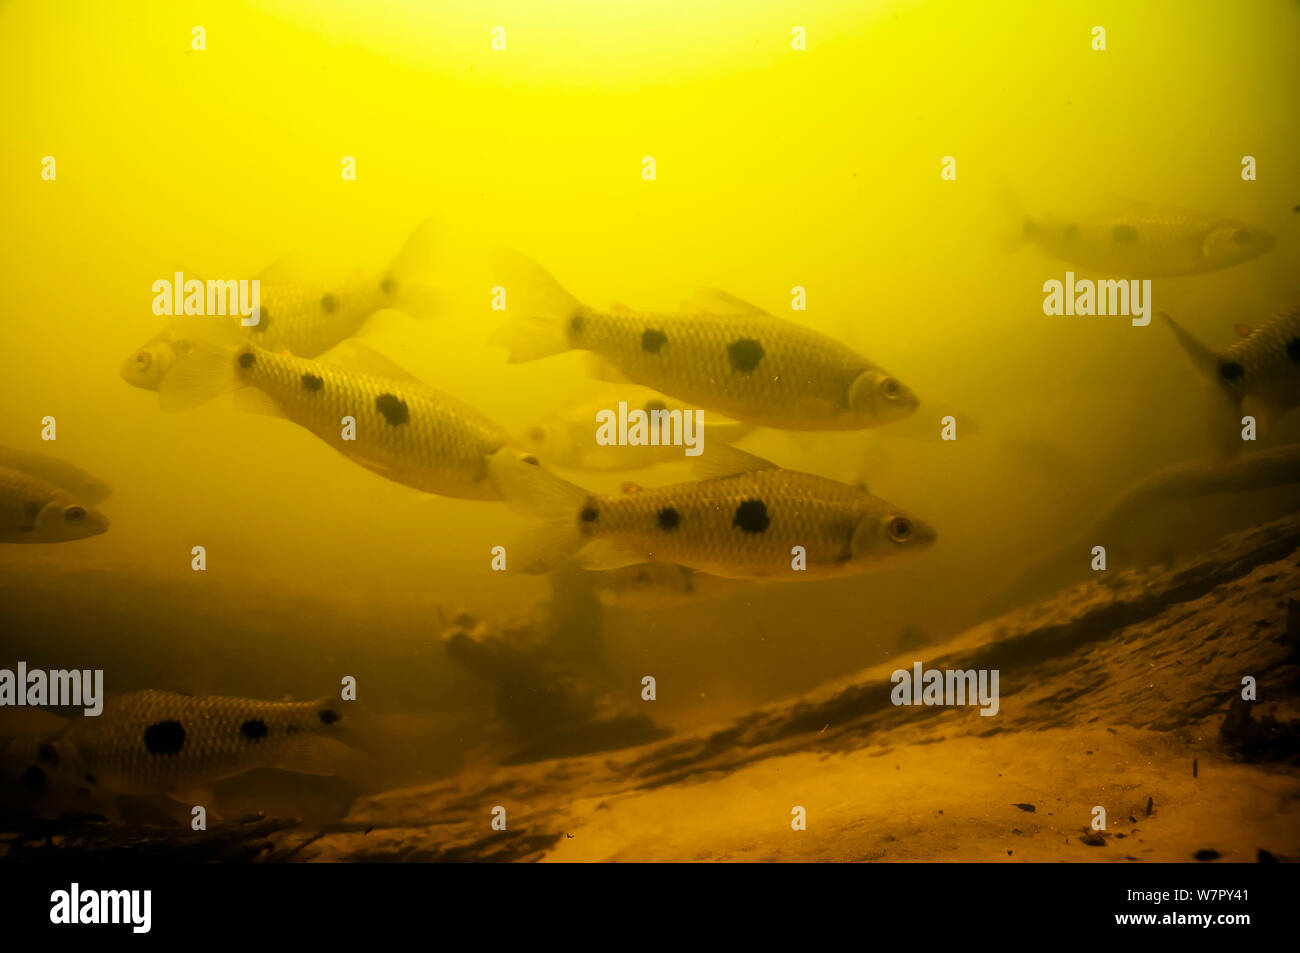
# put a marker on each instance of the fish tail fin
(532, 491)
(1206, 361)
(1224, 411)
(207, 371)
(411, 271)
(540, 309)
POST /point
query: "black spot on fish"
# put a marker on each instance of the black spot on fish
(531, 460)
(166, 737)
(246, 360)
(652, 340)
(263, 321)
(48, 755)
(388, 286)
(1293, 349)
(329, 716)
(90, 778)
(311, 382)
(745, 354)
(32, 510)
(751, 516)
(1124, 233)
(590, 514)
(329, 304)
(253, 729)
(34, 778)
(1231, 371)
(652, 406)
(1071, 232)
(669, 518)
(393, 409)
(1242, 237)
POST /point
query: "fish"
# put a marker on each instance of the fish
(404, 430)
(1137, 240)
(567, 437)
(171, 743)
(746, 519)
(34, 510)
(725, 355)
(1259, 374)
(301, 313)
(658, 586)
(85, 487)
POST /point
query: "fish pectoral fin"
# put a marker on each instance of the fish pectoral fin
(311, 754)
(713, 301)
(355, 356)
(198, 796)
(254, 401)
(724, 460)
(607, 554)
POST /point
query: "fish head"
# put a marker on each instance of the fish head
(1230, 243)
(146, 366)
(886, 532)
(881, 397)
(63, 519)
(549, 439)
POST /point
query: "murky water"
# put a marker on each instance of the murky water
(862, 170)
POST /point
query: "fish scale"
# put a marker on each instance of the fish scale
(157, 741)
(427, 440)
(802, 509)
(722, 354)
(1270, 360)
(308, 319)
(702, 357)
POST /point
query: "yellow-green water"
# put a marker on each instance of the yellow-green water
(775, 168)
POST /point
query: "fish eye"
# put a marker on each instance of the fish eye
(143, 359)
(890, 387)
(74, 514)
(1242, 237)
(900, 528)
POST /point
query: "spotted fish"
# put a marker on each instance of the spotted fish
(404, 430)
(567, 438)
(1147, 241)
(33, 510)
(1259, 375)
(156, 742)
(302, 313)
(727, 355)
(82, 486)
(741, 524)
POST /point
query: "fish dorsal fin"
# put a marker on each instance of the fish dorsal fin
(724, 460)
(619, 307)
(355, 356)
(713, 301)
